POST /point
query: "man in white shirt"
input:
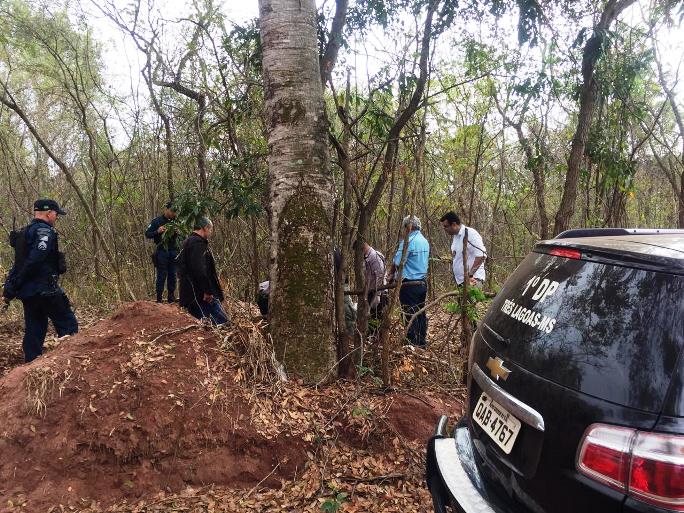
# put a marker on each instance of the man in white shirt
(476, 251)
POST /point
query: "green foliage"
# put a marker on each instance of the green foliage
(227, 194)
(362, 411)
(362, 370)
(475, 296)
(529, 15)
(335, 504)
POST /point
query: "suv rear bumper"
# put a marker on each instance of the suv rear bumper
(453, 477)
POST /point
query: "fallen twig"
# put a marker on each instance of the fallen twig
(174, 332)
(429, 305)
(373, 479)
(264, 479)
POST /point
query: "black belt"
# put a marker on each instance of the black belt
(413, 283)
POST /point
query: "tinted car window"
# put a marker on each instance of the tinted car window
(609, 331)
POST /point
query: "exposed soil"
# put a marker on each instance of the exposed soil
(149, 403)
(121, 410)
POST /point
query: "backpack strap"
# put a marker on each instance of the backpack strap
(473, 245)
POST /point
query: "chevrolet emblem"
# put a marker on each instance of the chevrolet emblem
(497, 369)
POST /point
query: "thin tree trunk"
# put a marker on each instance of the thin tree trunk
(301, 195)
(7, 100)
(593, 50)
(679, 120)
(343, 339)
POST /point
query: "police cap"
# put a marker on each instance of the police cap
(45, 205)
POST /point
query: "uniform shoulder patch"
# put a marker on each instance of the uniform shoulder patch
(43, 236)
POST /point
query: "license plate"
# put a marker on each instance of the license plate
(500, 425)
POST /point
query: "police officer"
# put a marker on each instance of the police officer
(164, 256)
(34, 279)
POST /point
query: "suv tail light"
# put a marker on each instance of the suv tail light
(647, 466)
(657, 470)
(574, 254)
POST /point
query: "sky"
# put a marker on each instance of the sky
(124, 61)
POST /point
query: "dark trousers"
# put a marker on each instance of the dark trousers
(212, 311)
(262, 303)
(166, 273)
(37, 311)
(412, 299)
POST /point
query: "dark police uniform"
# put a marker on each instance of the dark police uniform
(35, 281)
(164, 258)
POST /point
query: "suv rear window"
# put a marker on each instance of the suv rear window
(610, 331)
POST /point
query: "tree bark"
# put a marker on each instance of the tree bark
(301, 193)
(329, 57)
(593, 49)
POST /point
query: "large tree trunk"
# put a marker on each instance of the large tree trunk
(593, 50)
(301, 304)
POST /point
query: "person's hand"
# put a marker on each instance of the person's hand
(472, 281)
(208, 298)
(161, 229)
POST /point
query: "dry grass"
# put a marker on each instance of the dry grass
(247, 337)
(40, 387)
(41, 384)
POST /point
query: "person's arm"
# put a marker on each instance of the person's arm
(39, 248)
(476, 265)
(379, 270)
(152, 229)
(478, 249)
(392, 272)
(391, 275)
(9, 292)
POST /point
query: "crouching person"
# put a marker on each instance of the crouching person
(200, 290)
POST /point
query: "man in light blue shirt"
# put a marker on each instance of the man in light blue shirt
(412, 296)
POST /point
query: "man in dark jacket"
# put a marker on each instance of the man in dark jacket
(165, 253)
(34, 279)
(200, 290)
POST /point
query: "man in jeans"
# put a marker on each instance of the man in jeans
(414, 286)
(200, 290)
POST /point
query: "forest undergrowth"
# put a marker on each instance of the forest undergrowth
(258, 443)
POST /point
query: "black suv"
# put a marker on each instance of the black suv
(576, 384)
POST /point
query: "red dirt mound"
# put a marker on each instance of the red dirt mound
(140, 402)
(415, 418)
